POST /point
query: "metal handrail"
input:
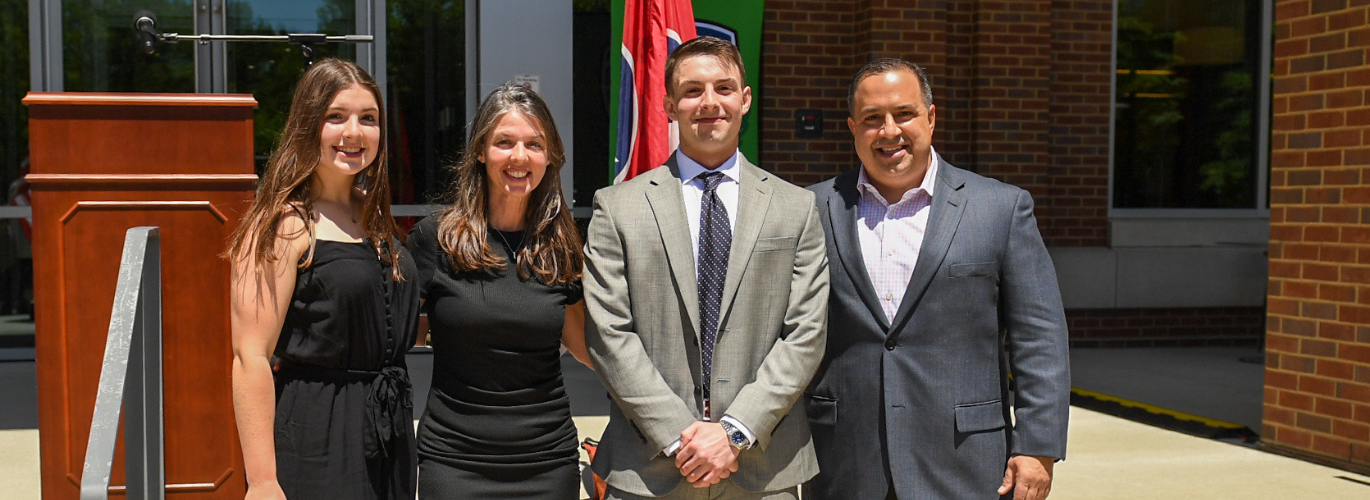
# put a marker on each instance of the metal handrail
(132, 373)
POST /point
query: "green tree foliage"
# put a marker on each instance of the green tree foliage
(426, 63)
(14, 83)
(1227, 176)
(1149, 96)
(101, 53)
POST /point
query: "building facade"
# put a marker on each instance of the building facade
(1175, 188)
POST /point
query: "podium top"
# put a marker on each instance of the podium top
(97, 135)
(138, 99)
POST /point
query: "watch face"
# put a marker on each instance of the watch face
(739, 439)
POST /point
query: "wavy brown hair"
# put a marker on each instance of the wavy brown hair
(286, 186)
(552, 243)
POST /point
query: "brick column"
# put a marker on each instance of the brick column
(1317, 386)
(1081, 67)
(914, 30)
(1010, 88)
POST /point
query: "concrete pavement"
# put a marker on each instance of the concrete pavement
(1109, 458)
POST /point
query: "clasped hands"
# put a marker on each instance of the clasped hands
(705, 456)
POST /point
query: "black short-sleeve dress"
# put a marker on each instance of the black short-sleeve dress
(498, 421)
(344, 410)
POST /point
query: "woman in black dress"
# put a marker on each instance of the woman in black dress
(321, 282)
(500, 270)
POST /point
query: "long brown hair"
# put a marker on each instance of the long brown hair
(286, 184)
(552, 242)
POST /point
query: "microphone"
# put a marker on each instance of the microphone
(145, 23)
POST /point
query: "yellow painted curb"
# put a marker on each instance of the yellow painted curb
(1179, 415)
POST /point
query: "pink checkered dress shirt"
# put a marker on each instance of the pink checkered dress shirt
(892, 235)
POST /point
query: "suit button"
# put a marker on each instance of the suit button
(889, 345)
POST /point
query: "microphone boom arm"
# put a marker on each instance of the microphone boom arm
(145, 23)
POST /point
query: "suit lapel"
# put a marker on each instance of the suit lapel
(948, 203)
(753, 201)
(668, 208)
(842, 214)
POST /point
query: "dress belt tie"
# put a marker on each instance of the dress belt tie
(390, 395)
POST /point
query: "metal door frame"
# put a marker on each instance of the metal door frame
(211, 61)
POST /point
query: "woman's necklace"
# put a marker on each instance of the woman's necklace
(512, 251)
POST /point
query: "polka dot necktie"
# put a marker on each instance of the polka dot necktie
(715, 238)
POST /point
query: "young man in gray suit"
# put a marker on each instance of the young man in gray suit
(707, 291)
(944, 321)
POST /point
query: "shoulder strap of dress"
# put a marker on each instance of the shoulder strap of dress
(307, 257)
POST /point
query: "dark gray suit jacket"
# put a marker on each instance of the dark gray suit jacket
(925, 399)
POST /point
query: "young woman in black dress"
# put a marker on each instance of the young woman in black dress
(321, 282)
(500, 271)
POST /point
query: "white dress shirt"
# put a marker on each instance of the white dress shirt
(891, 235)
(692, 188)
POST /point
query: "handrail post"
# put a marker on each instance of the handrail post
(132, 373)
(144, 465)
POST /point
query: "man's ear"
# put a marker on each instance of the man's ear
(669, 106)
(932, 117)
(851, 125)
(746, 99)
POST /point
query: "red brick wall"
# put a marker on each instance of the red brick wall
(1021, 89)
(1317, 395)
(1010, 79)
(1082, 58)
(1172, 327)
(806, 59)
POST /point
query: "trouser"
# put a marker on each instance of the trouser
(724, 490)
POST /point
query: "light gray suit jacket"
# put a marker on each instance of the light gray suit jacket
(932, 387)
(643, 328)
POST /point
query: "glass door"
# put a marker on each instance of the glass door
(426, 66)
(269, 71)
(100, 47)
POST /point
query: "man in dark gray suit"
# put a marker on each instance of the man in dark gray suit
(706, 287)
(946, 374)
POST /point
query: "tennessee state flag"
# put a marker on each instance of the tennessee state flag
(651, 30)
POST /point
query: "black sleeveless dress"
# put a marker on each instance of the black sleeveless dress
(498, 421)
(344, 411)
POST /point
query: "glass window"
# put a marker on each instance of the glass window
(14, 83)
(591, 27)
(269, 71)
(1185, 134)
(100, 51)
(16, 252)
(426, 64)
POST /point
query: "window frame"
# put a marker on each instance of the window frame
(211, 62)
(1261, 149)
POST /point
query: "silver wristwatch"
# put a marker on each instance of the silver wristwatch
(735, 436)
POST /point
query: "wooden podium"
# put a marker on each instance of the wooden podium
(101, 164)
